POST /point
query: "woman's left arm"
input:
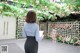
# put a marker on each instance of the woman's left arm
(38, 37)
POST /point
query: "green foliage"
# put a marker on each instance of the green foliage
(44, 6)
(9, 10)
(28, 3)
(73, 40)
(47, 37)
(59, 39)
(73, 4)
(45, 16)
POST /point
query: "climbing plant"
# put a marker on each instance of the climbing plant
(45, 9)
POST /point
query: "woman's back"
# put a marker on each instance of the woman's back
(30, 29)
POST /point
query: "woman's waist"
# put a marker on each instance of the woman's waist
(30, 37)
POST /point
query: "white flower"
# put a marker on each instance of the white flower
(1, 7)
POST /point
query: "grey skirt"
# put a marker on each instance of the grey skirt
(31, 45)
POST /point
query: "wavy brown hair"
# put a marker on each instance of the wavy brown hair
(31, 17)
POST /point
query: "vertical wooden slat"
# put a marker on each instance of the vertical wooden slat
(7, 28)
(4, 29)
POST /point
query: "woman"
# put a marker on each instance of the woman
(31, 32)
